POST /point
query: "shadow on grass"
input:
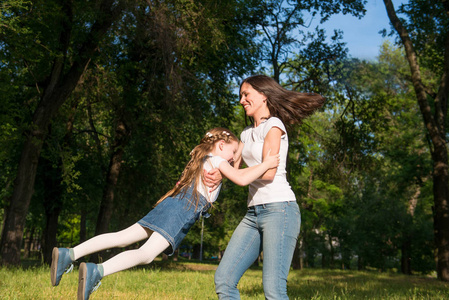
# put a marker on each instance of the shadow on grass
(338, 284)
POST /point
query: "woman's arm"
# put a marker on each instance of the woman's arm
(246, 176)
(212, 179)
(238, 156)
(271, 142)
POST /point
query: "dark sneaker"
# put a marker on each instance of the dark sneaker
(60, 263)
(88, 280)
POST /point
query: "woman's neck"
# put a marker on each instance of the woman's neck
(259, 118)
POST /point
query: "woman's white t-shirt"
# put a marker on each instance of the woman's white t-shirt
(211, 162)
(263, 191)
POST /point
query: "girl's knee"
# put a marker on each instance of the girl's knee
(143, 257)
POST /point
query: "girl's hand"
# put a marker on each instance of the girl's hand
(212, 179)
(272, 160)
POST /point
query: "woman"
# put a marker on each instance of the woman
(273, 219)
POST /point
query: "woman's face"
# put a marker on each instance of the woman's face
(251, 100)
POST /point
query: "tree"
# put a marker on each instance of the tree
(283, 28)
(54, 86)
(425, 39)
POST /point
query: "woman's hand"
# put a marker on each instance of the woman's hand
(212, 179)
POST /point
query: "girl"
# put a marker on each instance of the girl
(168, 223)
(272, 221)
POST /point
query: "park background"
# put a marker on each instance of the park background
(102, 102)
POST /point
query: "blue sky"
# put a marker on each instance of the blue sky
(362, 36)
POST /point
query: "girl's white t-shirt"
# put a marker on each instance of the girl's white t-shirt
(263, 191)
(211, 162)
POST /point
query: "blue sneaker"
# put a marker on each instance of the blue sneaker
(88, 280)
(60, 263)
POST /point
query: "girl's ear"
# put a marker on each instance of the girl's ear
(221, 144)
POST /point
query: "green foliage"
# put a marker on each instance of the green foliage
(167, 71)
(360, 172)
(10, 15)
(428, 21)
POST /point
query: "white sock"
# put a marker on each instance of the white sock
(122, 238)
(144, 255)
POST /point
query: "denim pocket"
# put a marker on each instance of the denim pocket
(294, 207)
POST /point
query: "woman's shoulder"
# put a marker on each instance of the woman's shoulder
(274, 122)
(248, 128)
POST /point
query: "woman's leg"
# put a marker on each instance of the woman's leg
(280, 224)
(241, 252)
(144, 255)
(122, 238)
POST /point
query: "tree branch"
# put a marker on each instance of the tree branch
(420, 91)
(443, 90)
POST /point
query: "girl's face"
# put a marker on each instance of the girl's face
(251, 100)
(228, 150)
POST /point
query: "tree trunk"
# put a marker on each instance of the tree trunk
(50, 232)
(360, 264)
(435, 126)
(60, 86)
(17, 209)
(406, 257)
(52, 206)
(27, 245)
(53, 193)
(331, 253)
(406, 247)
(83, 227)
(441, 214)
(107, 202)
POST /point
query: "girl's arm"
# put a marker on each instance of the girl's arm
(245, 176)
(271, 142)
(213, 178)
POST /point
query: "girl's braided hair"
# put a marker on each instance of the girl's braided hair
(193, 172)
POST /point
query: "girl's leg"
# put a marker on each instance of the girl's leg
(280, 224)
(241, 252)
(91, 274)
(144, 255)
(122, 238)
(62, 258)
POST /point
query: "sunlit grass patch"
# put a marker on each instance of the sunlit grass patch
(190, 280)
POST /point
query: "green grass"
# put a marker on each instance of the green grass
(186, 280)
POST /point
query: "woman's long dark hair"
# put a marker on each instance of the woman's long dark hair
(289, 106)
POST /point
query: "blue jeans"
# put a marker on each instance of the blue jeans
(273, 228)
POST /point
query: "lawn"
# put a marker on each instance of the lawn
(189, 280)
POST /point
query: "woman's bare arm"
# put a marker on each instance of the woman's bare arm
(272, 141)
